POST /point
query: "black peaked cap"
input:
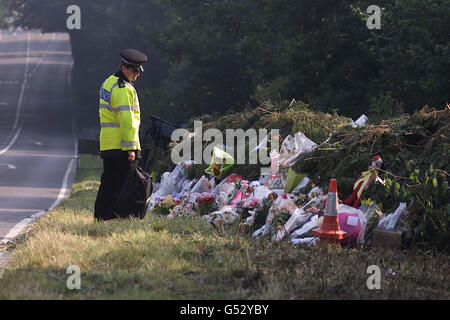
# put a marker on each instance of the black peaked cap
(132, 56)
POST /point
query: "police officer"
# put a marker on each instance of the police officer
(119, 136)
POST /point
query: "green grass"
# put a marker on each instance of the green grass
(183, 258)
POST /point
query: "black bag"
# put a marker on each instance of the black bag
(134, 197)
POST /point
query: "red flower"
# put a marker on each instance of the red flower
(249, 189)
(209, 199)
(233, 177)
(284, 196)
(216, 172)
(273, 195)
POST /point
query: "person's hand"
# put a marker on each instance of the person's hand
(131, 155)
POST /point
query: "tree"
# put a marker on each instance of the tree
(107, 27)
(5, 14)
(211, 56)
(412, 50)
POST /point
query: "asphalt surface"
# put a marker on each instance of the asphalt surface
(37, 141)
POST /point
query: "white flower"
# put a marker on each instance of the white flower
(229, 216)
(207, 218)
(250, 220)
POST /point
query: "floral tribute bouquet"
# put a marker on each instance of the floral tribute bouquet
(194, 204)
(185, 207)
(233, 178)
(205, 202)
(164, 205)
(221, 163)
(260, 213)
(243, 191)
(225, 216)
(244, 206)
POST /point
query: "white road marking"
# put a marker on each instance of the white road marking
(3, 103)
(42, 57)
(17, 229)
(9, 165)
(9, 82)
(64, 189)
(40, 144)
(22, 90)
(11, 142)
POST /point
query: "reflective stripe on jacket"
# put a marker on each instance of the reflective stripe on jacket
(120, 116)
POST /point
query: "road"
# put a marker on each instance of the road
(37, 139)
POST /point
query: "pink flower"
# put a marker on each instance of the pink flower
(273, 195)
(244, 184)
(254, 203)
(233, 177)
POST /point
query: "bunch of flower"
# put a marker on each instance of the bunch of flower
(300, 200)
(206, 198)
(312, 208)
(288, 196)
(233, 178)
(183, 208)
(204, 202)
(252, 203)
(249, 190)
(262, 212)
(244, 184)
(244, 205)
(273, 196)
(279, 219)
(315, 192)
(229, 217)
(240, 184)
(220, 218)
(237, 184)
(164, 205)
(248, 208)
(215, 169)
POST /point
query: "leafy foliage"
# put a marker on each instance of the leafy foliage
(214, 56)
(208, 58)
(5, 14)
(288, 117)
(107, 27)
(412, 52)
(415, 151)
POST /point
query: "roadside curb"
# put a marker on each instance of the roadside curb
(18, 229)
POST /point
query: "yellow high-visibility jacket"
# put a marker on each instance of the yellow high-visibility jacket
(120, 115)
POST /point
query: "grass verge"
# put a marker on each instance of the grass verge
(183, 258)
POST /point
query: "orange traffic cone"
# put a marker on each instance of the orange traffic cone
(329, 230)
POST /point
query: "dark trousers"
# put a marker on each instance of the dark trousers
(114, 172)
